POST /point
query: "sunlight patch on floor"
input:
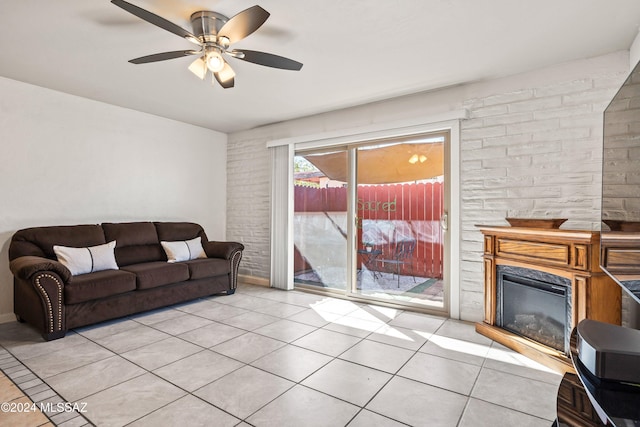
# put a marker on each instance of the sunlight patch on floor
(513, 358)
(392, 332)
(371, 318)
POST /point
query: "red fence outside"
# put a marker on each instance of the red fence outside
(388, 214)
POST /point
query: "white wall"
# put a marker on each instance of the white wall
(70, 160)
(634, 52)
(531, 147)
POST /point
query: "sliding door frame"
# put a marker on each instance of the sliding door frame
(281, 233)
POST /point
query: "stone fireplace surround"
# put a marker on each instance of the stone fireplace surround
(569, 254)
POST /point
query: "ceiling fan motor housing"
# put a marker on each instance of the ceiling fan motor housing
(206, 25)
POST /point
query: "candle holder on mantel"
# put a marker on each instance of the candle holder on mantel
(536, 222)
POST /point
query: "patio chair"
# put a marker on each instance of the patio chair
(402, 254)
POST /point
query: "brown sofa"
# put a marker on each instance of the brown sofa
(48, 297)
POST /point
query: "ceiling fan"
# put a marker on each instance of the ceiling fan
(214, 34)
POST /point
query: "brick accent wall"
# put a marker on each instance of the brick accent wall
(248, 208)
(532, 147)
(534, 152)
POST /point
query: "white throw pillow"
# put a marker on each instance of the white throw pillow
(183, 250)
(87, 260)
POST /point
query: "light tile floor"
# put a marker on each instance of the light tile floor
(265, 357)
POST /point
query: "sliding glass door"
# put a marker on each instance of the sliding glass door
(320, 228)
(400, 207)
(393, 248)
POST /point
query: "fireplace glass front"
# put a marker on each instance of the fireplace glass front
(534, 308)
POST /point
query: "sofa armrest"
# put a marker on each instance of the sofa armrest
(25, 267)
(39, 293)
(231, 251)
(223, 250)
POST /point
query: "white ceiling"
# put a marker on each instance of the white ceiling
(354, 51)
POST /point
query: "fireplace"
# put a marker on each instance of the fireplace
(535, 305)
(538, 284)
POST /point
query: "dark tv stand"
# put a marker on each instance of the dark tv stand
(584, 400)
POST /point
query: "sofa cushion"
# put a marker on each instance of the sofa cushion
(137, 242)
(173, 231)
(92, 286)
(159, 273)
(39, 241)
(87, 260)
(210, 267)
(131, 233)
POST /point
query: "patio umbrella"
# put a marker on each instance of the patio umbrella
(385, 164)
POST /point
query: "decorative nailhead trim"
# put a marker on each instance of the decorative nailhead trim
(235, 262)
(47, 300)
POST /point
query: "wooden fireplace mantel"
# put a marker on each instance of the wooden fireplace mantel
(572, 254)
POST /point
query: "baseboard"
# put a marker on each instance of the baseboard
(252, 280)
(7, 317)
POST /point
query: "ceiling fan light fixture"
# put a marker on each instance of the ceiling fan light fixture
(215, 62)
(199, 68)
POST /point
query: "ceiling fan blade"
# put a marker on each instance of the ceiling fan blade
(269, 60)
(163, 56)
(199, 68)
(156, 20)
(226, 77)
(244, 23)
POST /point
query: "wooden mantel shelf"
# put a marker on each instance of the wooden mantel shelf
(572, 254)
(542, 234)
